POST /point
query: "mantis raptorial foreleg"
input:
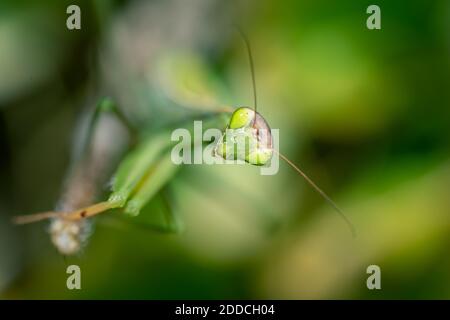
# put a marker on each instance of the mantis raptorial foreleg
(91, 164)
(85, 172)
(107, 105)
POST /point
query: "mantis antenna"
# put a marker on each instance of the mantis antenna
(252, 68)
(320, 191)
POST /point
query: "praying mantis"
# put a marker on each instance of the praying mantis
(144, 170)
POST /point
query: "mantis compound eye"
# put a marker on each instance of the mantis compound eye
(241, 117)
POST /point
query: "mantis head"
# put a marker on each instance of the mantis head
(246, 138)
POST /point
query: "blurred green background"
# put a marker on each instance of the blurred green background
(365, 113)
